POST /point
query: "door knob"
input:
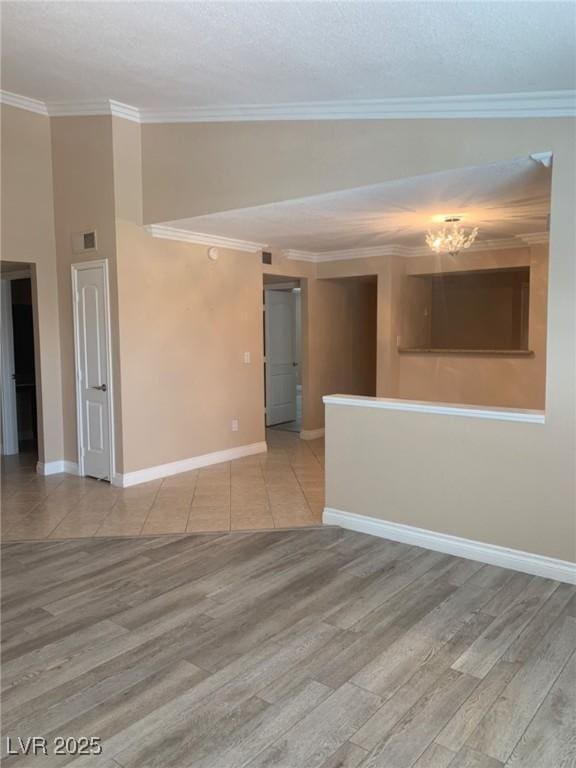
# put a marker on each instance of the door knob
(102, 387)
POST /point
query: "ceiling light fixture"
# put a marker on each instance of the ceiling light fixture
(451, 239)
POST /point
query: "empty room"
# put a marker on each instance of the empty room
(288, 386)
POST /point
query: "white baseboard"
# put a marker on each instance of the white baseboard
(527, 562)
(56, 467)
(311, 434)
(185, 465)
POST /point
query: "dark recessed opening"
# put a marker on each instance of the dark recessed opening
(482, 310)
(89, 240)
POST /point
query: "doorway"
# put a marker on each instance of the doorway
(19, 409)
(346, 332)
(282, 353)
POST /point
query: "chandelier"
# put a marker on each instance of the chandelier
(451, 239)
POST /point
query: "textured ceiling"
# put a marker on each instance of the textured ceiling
(502, 199)
(179, 54)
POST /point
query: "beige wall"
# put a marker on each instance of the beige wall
(127, 172)
(28, 236)
(127, 156)
(191, 169)
(341, 336)
(505, 483)
(188, 169)
(83, 173)
(511, 381)
(498, 482)
(185, 323)
(390, 273)
(477, 380)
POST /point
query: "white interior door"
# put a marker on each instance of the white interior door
(93, 369)
(280, 357)
(9, 418)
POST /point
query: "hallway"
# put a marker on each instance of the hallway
(283, 488)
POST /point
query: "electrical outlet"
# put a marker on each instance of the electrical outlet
(247, 358)
(235, 425)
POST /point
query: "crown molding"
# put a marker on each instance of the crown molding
(408, 252)
(71, 109)
(293, 255)
(92, 109)
(23, 102)
(536, 104)
(544, 158)
(504, 105)
(535, 238)
(78, 108)
(199, 238)
(351, 253)
(503, 243)
(118, 109)
(371, 252)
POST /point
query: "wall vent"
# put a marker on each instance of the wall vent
(84, 241)
(89, 240)
(266, 257)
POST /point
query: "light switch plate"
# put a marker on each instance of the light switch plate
(247, 358)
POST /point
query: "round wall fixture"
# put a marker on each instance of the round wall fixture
(213, 253)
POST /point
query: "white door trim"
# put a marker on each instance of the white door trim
(9, 418)
(76, 268)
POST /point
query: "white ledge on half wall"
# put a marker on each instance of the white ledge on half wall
(445, 409)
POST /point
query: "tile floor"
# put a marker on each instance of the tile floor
(283, 488)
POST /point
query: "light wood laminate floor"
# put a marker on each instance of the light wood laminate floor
(318, 648)
(283, 488)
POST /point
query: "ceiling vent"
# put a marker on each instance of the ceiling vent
(266, 257)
